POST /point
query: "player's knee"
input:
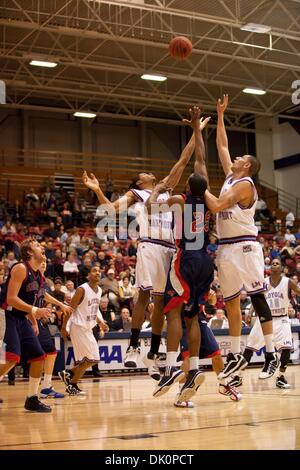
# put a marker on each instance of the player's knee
(261, 308)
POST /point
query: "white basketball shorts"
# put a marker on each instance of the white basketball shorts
(281, 331)
(84, 344)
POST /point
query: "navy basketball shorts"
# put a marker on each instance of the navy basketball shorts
(20, 339)
(189, 279)
(45, 338)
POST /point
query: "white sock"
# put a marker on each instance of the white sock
(33, 386)
(194, 363)
(269, 343)
(235, 344)
(171, 359)
(46, 381)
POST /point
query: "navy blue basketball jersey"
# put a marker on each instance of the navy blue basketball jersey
(194, 223)
(31, 291)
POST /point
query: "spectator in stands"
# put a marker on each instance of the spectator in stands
(51, 231)
(109, 186)
(69, 291)
(148, 315)
(110, 286)
(219, 320)
(74, 239)
(11, 259)
(286, 252)
(71, 268)
(66, 215)
(267, 267)
(107, 311)
(289, 219)
(261, 209)
(62, 235)
(126, 292)
(245, 303)
(52, 213)
(290, 237)
(57, 293)
(274, 251)
(297, 271)
(84, 269)
(17, 211)
(8, 228)
(297, 235)
(3, 211)
(123, 323)
(220, 304)
(132, 249)
(119, 264)
(32, 199)
(212, 246)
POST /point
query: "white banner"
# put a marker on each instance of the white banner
(113, 351)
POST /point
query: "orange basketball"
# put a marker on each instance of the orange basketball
(180, 47)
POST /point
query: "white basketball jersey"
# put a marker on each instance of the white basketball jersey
(157, 227)
(86, 313)
(278, 297)
(236, 224)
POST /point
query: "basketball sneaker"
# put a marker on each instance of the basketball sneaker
(131, 357)
(170, 377)
(183, 404)
(73, 389)
(50, 393)
(195, 378)
(65, 376)
(236, 381)
(281, 382)
(230, 392)
(34, 404)
(150, 362)
(270, 366)
(234, 362)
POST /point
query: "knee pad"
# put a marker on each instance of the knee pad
(261, 308)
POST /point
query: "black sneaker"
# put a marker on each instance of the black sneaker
(97, 373)
(234, 362)
(270, 366)
(281, 382)
(236, 381)
(11, 382)
(195, 378)
(171, 375)
(34, 404)
(73, 389)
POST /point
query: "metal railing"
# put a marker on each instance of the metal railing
(285, 200)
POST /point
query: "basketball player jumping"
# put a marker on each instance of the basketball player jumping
(155, 251)
(278, 298)
(240, 258)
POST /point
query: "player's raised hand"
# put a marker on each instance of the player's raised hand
(195, 113)
(204, 122)
(91, 181)
(222, 105)
(161, 187)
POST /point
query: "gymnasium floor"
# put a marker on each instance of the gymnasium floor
(120, 413)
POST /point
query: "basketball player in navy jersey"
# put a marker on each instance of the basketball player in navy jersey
(23, 290)
(240, 259)
(191, 273)
(153, 257)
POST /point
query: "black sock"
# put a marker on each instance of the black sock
(248, 353)
(155, 342)
(134, 339)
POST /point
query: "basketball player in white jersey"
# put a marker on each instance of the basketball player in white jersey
(278, 298)
(240, 258)
(154, 255)
(85, 303)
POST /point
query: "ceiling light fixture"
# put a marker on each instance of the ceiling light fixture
(155, 78)
(43, 63)
(84, 114)
(254, 91)
(256, 28)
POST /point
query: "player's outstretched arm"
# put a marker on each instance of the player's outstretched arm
(241, 193)
(174, 203)
(198, 125)
(119, 205)
(222, 141)
(176, 172)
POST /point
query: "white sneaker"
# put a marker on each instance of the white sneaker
(131, 357)
(270, 366)
(150, 362)
(183, 404)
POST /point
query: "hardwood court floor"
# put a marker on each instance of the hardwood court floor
(120, 413)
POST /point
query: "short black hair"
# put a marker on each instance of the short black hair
(197, 184)
(133, 184)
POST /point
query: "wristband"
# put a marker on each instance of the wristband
(34, 310)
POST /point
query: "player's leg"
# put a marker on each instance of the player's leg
(174, 332)
(47, 344)
(281, 381)
(138, 316)
(157, 323)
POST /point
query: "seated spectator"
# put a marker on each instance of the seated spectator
(8, 228)
(107, 311)
(212, 246)
(261, 210)
(219, 320)
(220, 304)
(267, 267)
(110, 286)
(71, 269)
(57, 293)
(245, 302)
(297, 234)
(290, 237)
(11, 259)
(51, 231)
(66, 215)
(62, 235)
(126, 292)
(123, 323)
(74, 239)
(69, 291)
(32, 199)
(84, 269)
(286, 252)
(52, 213)
(289, 219)
(119, 264)
(275, 250)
